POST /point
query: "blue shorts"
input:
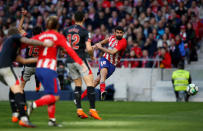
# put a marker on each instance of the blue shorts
(104, 63)
(49, 80)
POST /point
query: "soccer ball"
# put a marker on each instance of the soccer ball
(192, 89)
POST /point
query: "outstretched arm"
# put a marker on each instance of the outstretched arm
(105, 41)
(112, 52)
(22, 60)
(20, 25)
(47, 43)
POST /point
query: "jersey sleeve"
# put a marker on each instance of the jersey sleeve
(88, 36)
(63, 43)
(17, 38)
(121, 45)
(111, 37)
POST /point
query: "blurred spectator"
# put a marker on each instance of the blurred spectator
(135, 52)
(163, 40)
(181, 9)
(192, 43)
(62, 74)
(145, 63)
(166, 59)
(175, 54)
(150, 46)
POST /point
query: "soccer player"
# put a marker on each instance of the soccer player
(8, 54)
(79, 38)
(28, 69)
(107, 64)
(46, 68)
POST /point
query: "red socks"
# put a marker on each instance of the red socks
(51, 110)
(84, 94)
(102, 87)
(45, 100)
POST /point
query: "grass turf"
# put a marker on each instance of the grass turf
(117, 116)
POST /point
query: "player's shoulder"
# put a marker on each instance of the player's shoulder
(112, 37)
(124, 40)
(15, 37)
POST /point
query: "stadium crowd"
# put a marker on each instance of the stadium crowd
(165, 29)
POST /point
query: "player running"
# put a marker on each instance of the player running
(8, 54)
(111, 57)
(28, 69)
(46, 68)
(80, 41)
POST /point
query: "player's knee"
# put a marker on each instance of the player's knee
(57, 98)
(16, 89)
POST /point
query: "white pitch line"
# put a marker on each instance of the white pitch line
(100, 123)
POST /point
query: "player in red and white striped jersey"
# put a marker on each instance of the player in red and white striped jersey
(46, 68)
(114, 43)
(111, 57)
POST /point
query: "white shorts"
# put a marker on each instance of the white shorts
(8, 76)
(27, 73)
(75, 70)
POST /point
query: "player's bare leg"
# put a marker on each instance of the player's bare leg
(89, 81)
(13, 105)
(77, 98)
(103, 74)
(50, 101)
(95, 84)
(19, 99)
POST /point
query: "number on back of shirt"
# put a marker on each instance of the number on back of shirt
(74, 39)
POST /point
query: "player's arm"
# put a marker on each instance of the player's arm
(22, 60)
(119, 47)
(112, 52)
(103, 42)
(20, 25)
(89, 48)
(47, 43)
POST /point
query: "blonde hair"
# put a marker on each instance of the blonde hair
(52, 22)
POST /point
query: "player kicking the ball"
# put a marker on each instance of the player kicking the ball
(79, 38)
(46, 68)
(111, 57)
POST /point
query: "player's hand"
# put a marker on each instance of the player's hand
(94, 47)
(48, 43)
(84, 67)
(24, 12)
(98, 45)
(93, 58)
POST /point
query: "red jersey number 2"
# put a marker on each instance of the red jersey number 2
(74, 40)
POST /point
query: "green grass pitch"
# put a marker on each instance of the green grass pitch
(117, 116)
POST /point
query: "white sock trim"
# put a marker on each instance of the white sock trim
(34, 105)
(53, 119)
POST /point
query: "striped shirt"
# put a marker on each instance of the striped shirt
(120, 45)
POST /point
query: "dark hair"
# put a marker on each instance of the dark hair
(119, 28)
(37, 30)
(52, 22)
(181, 65)
(79, 16)
(13, 31)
